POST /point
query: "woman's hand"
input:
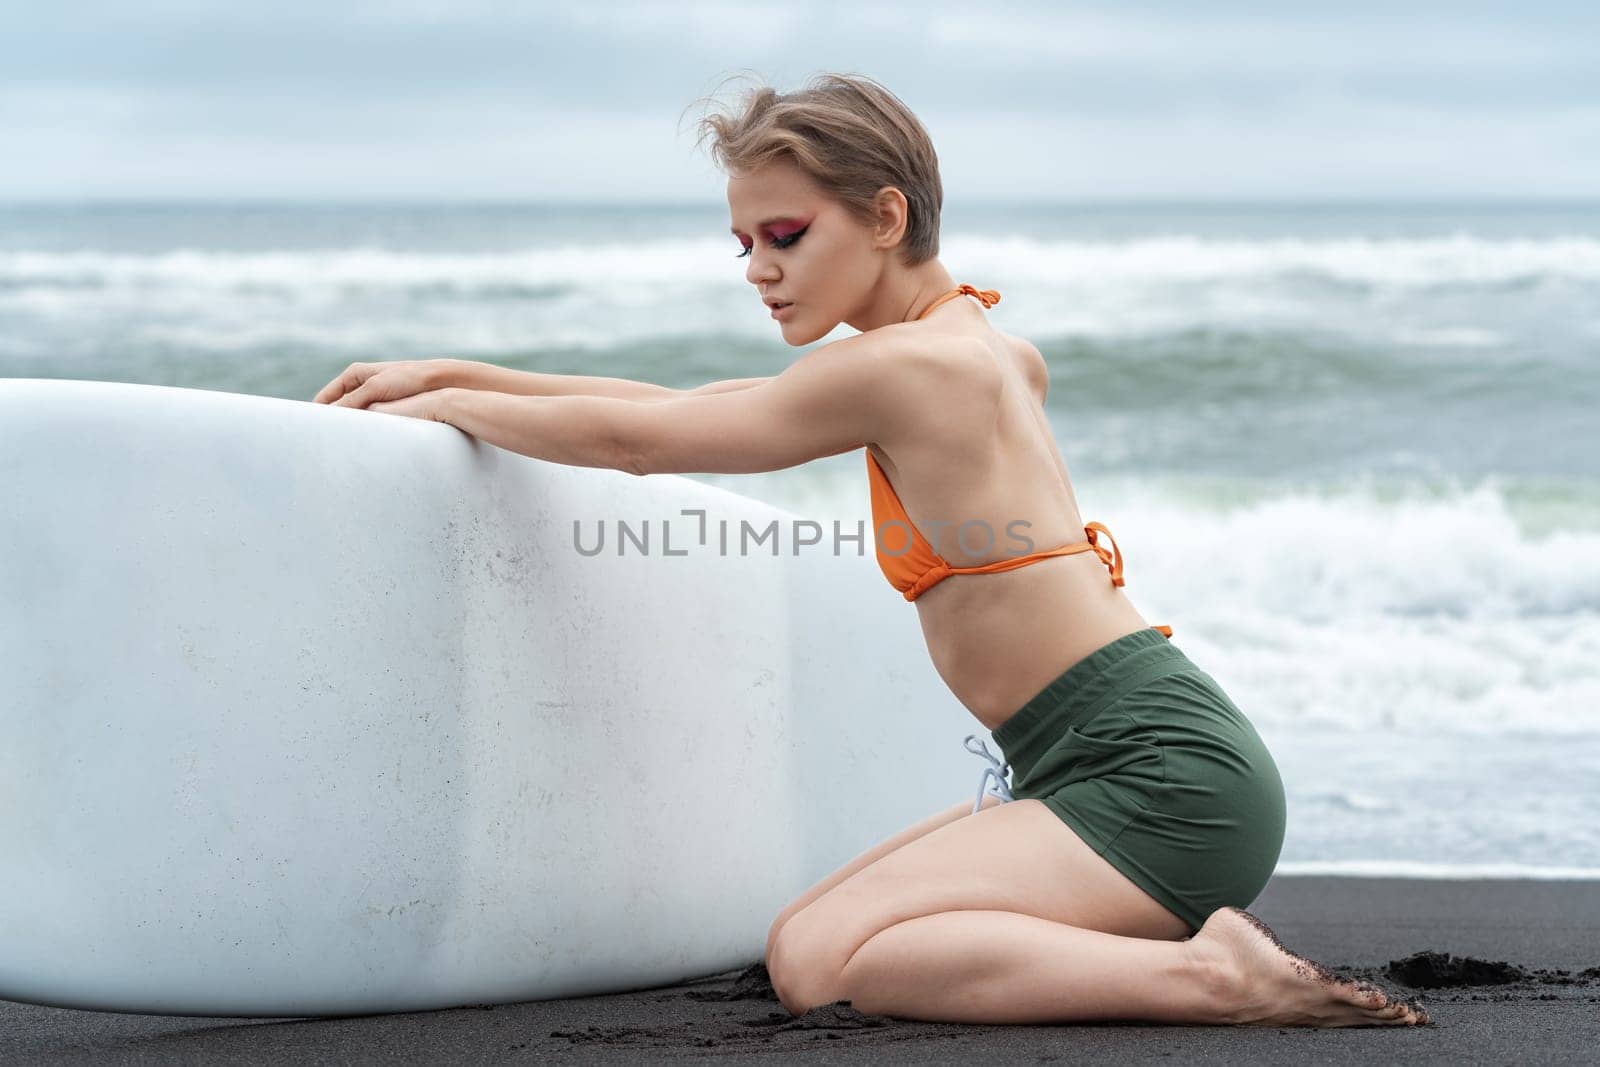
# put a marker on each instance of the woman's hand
(428, 406)
(364, 384)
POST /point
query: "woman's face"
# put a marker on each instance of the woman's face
(801, 247)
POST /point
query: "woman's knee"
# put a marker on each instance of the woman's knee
(773, 931)
(944, 818)
(801, 976)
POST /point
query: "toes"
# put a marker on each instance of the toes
(1405, 1012)
(1392, 1015)
(1366, 995)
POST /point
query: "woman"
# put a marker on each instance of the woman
(1146, 809)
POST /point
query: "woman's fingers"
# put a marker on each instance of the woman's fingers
(362, 384)
(348, 381)
(377, 387)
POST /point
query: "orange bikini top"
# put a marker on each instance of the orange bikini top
(918, 567)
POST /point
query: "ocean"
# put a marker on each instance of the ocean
(1350, 452)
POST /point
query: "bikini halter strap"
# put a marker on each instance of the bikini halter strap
(987, 297)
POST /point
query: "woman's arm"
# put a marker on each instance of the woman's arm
(471, 374)
(732, 385)
(833, 400)
(580, 431)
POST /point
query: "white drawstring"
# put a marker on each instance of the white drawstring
(997, 771)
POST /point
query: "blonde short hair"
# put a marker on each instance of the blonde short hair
(851, 137)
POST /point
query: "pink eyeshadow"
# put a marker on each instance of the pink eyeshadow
(786, 227)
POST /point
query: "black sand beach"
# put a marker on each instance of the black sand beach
(1509, 970)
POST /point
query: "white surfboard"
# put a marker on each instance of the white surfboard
(307, 710)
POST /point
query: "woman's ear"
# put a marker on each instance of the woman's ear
(893, 215)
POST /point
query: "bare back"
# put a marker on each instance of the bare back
(982, 450)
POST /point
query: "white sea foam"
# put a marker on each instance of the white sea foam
(369, 300)
(1381, 868)
(1450, 336)
(1346, 609)
(1456, 260)
(1460, 259)
(594, 296)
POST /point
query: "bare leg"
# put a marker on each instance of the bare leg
(981, 966)
(1009, 916)
(872, 855)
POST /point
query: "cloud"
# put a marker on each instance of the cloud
(473, 98)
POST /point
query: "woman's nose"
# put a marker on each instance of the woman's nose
(760, 269)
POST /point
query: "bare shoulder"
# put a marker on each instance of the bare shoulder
(1034, 368)
(904, 375)
(943, 362)
(937, 383)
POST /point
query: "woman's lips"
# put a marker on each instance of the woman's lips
(780, 312)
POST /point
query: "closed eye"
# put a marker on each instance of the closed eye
(777, 242)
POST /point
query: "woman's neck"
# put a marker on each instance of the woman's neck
(903, 297)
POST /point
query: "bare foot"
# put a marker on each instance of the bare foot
(1265, 984)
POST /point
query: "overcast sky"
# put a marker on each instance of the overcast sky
(473, 99)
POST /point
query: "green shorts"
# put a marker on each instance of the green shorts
(1146, 758)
